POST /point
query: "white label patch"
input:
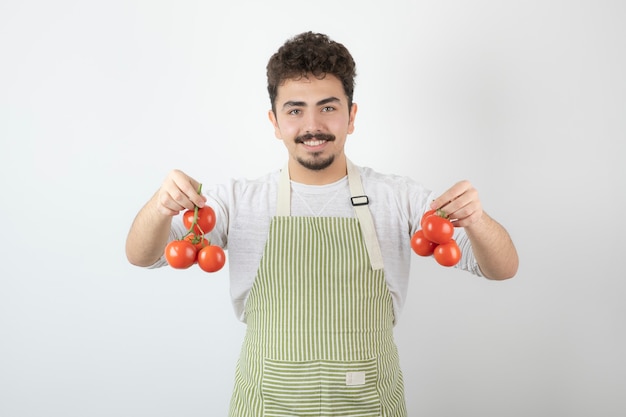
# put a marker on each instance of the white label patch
(355, 378)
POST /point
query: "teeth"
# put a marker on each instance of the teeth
(314, 142)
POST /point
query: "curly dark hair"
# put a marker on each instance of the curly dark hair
(310, 53)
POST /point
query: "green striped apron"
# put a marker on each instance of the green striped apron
(319, 339)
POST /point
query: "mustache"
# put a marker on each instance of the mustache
(318, 136)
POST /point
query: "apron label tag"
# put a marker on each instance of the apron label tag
(355, 378)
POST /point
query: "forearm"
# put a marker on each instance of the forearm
(493, 248)
(148, 235)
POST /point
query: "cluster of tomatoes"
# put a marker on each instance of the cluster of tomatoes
(435, 238)
(193, 247)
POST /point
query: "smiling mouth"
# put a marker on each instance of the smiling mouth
(315, 140)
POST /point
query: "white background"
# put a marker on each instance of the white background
(100, 99)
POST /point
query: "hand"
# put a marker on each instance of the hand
(461, 204)
(178, 192)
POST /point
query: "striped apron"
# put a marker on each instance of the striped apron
(319, 339)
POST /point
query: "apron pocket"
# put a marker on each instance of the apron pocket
(320, 388)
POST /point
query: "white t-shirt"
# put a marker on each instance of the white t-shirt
(244, 209)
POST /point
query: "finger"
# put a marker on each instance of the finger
(178, 198)
(467, 218)
(448, 196)
(168, 211)
(169, 203)
(190, 189)
(468, 208)
(455, 199)
(184, 190)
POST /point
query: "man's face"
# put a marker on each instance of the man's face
(313, 121)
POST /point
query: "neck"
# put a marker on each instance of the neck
(336, 171)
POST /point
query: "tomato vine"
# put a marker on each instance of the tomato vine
(193, 247)
(435, 238)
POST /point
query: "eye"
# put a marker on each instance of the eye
(328, 109)
(294, 112)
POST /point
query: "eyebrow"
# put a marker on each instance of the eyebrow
(293, 103)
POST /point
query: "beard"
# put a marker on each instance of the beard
(315, 161)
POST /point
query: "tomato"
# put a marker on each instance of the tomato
(437, 229)
(436, 238)
(205, 222)
(206, 219)
(421, 245)
(211, 258)
(180, 254)
(448, 254)
(198, 241)
(426, 214)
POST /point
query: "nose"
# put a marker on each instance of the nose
(312, 122)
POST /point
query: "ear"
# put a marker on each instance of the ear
(272, 117)
(353, 111)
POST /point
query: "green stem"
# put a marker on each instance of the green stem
(195, 215)
(191, 229)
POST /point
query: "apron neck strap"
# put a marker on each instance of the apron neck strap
(283, 205)
(359, 200)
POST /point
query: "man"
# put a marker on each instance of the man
(319, 251)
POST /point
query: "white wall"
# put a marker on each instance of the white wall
(100, 99)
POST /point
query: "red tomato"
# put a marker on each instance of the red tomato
(180, 254)
(206, 219)
(426, 214)
(211, 258)
(421, 245)
(448, 254)
(438, 229)
(204, 223)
